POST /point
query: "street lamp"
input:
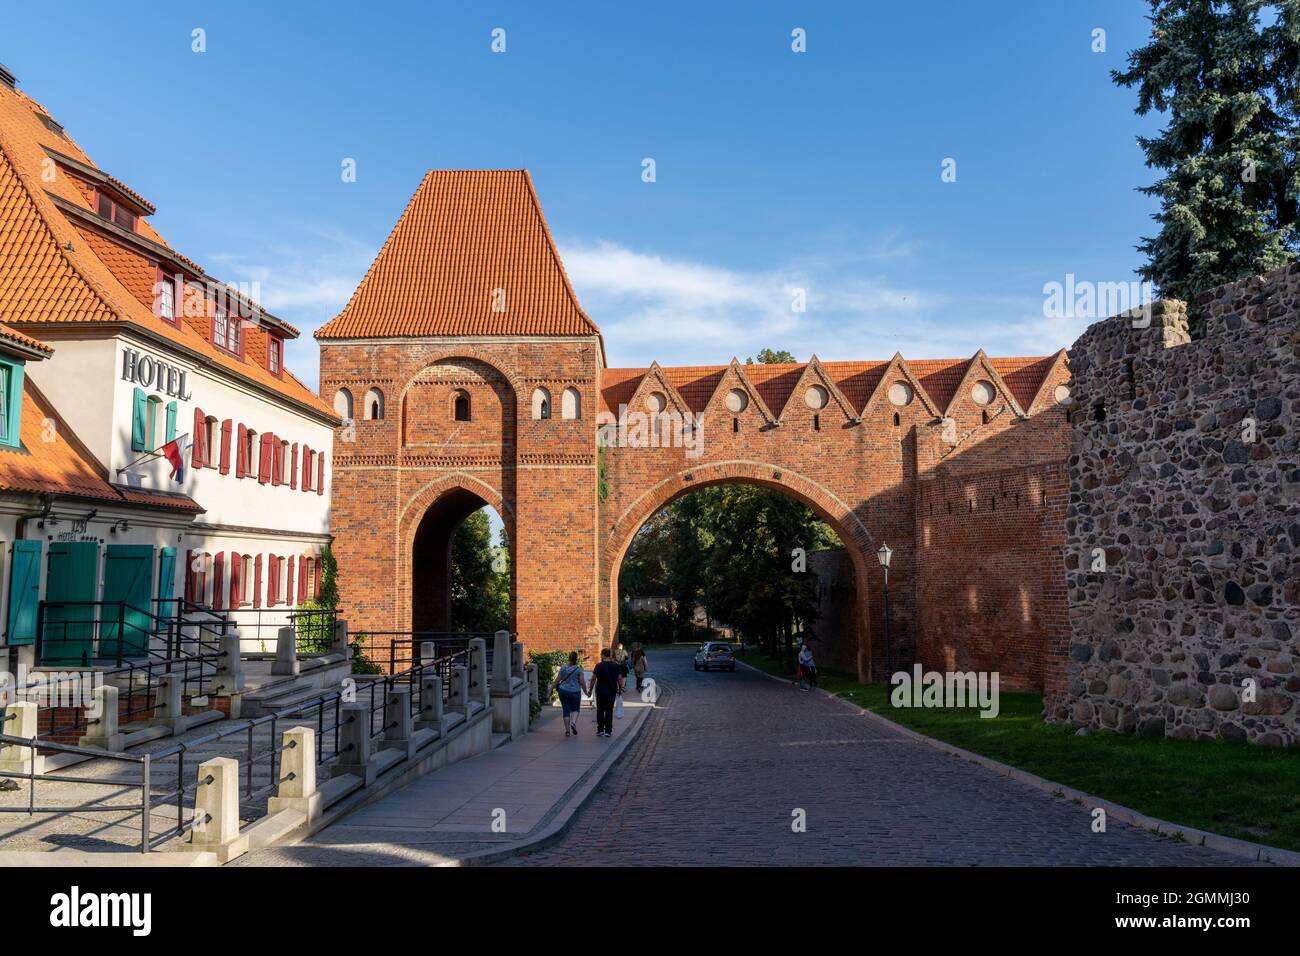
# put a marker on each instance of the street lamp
(883, 556)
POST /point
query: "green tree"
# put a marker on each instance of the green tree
(1228, 197)
(480, 577)
(772, 357)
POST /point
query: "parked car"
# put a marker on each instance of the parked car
(715, 655)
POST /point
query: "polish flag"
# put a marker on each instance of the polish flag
(174, 452)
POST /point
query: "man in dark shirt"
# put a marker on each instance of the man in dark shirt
(606, 676)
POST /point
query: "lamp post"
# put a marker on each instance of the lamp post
(883, 556)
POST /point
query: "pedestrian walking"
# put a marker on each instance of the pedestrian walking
(605, 678)
(621, 658)
(571, 685)
(807, 668)
(640, 664)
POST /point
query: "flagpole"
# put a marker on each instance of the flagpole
(154, 453)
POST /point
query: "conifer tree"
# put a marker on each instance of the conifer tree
(1218, 69)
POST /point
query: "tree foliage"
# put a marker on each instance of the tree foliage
(1225, 74)
(480, 577)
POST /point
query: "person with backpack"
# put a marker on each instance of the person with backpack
(571, 684)
(640, 664)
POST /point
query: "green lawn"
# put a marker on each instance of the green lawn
(1238, 790)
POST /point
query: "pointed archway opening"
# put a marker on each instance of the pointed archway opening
(460, 567)
(748, 563)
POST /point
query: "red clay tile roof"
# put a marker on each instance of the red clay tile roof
(53, 461)
(55, 270)
(856, 380)
(464, 234)
(26, 341)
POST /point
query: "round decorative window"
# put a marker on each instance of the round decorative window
(1062, 395)
(982, 393)
(737, 400)
(900, 394)
(656, 402)
(816, 397)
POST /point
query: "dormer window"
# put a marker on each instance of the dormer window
(225, 330)
(165, 298)
(115, 212)
(274, 354)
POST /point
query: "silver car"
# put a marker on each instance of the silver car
(715, 655)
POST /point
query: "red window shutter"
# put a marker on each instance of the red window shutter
(316, 576)
(236, 580)
(218, 579)
(306, 468)
(279, 461)
(264, 472)
(293, 467)
(302, 578)
(272, 581)
(225, 446)
(288, 580)
(190, 576)
(257, 581)
(241, 453)
(320, 478)
(199, 456)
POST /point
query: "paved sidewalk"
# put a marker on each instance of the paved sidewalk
(527, 790)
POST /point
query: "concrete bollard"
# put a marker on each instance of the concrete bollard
(339, 644)
(533, 692)
(286, 653)
(168, 708)
(20, 720)
(101, 729)
(480, 688)
(229, 681)
(427, 652)
(216, 809)
(397, 719)
(296, 788)
(431, 702)
(517, 663)
(501, 662)
(354, 743)
(458, 690)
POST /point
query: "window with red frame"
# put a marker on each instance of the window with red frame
(225, 331)
(165, 301)
(274, 354)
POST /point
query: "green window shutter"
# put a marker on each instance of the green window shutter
(171, 420)
(140, 421)
(12, 384)
(24, 592)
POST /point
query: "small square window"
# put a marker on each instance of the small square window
(273, 355)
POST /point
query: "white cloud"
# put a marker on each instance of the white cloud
(684, 312)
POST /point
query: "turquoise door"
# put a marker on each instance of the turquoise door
(24, 592)
(128, 577)
(68, 634)
(166, 582)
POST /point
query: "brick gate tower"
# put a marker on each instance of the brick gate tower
(468, 374)
(465, 316)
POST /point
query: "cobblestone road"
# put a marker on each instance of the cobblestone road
(719, 769)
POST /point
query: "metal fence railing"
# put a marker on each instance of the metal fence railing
(396, 651)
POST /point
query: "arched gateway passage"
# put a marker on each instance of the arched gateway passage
(498, 390)
(851, 643)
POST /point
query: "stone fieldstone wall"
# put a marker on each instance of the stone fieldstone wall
(1183, 523)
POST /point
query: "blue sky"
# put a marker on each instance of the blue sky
(774, 170)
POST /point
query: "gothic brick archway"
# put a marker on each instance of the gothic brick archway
(941, 459)
(854, 649)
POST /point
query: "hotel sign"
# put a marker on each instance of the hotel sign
(149, 372)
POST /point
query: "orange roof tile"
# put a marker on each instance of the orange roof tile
(26, 341)
(464, 234)
(56, 269)
(856, 380)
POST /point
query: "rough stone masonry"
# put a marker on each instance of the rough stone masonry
(1183, 525)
